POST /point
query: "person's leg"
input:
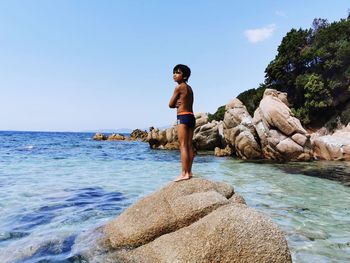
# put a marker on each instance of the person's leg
(190, 147)
(182, 133)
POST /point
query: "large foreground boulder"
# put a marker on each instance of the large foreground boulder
(194, 221)
(217, 238)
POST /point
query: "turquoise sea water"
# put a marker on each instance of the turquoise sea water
(57, 187)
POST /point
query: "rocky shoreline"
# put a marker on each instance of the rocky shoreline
(273, 133)
(203, 221)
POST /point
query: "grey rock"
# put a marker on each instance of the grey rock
(207, 137)
(282, 136)
(192, 221)
(229, 234)
(159, 213)
(239, 131)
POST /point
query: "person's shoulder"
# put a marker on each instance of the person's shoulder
(187, 87)
(181, 86)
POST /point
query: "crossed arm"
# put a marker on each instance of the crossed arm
(173, 103)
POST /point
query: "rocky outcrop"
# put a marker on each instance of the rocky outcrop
(112, 137)
(274, 133)
(201, 119)
(169, 209)
(227, 151)
(333, 147)
(138, 135)
(116, 137)
(281, 135)
(163, 139)
(207, 136)
(239, 131)
(99, 137)
(194, 221)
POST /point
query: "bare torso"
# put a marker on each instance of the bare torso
(185, 99)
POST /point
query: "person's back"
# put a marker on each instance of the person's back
(185, 100)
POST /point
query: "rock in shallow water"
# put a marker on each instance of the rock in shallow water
(333, 147)
(172, 207)
(239, 131)
(232, 233)
(195, 221)
(282, 136)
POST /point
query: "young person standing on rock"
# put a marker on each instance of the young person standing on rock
(182, 99)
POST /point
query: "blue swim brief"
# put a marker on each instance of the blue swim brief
(188, 119)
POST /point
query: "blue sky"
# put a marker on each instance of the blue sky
(86, 65)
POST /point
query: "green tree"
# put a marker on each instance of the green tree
(313, 67)
(218, 115)
(252, 97)
(316, 95)
(289, 63)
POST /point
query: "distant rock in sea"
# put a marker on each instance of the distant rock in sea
(99, 137)
(120, 130)
(134, 135)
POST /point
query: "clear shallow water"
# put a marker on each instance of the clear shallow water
(56, 187)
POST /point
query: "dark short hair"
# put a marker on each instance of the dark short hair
(186, 72)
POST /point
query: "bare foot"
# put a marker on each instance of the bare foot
(182, 178)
